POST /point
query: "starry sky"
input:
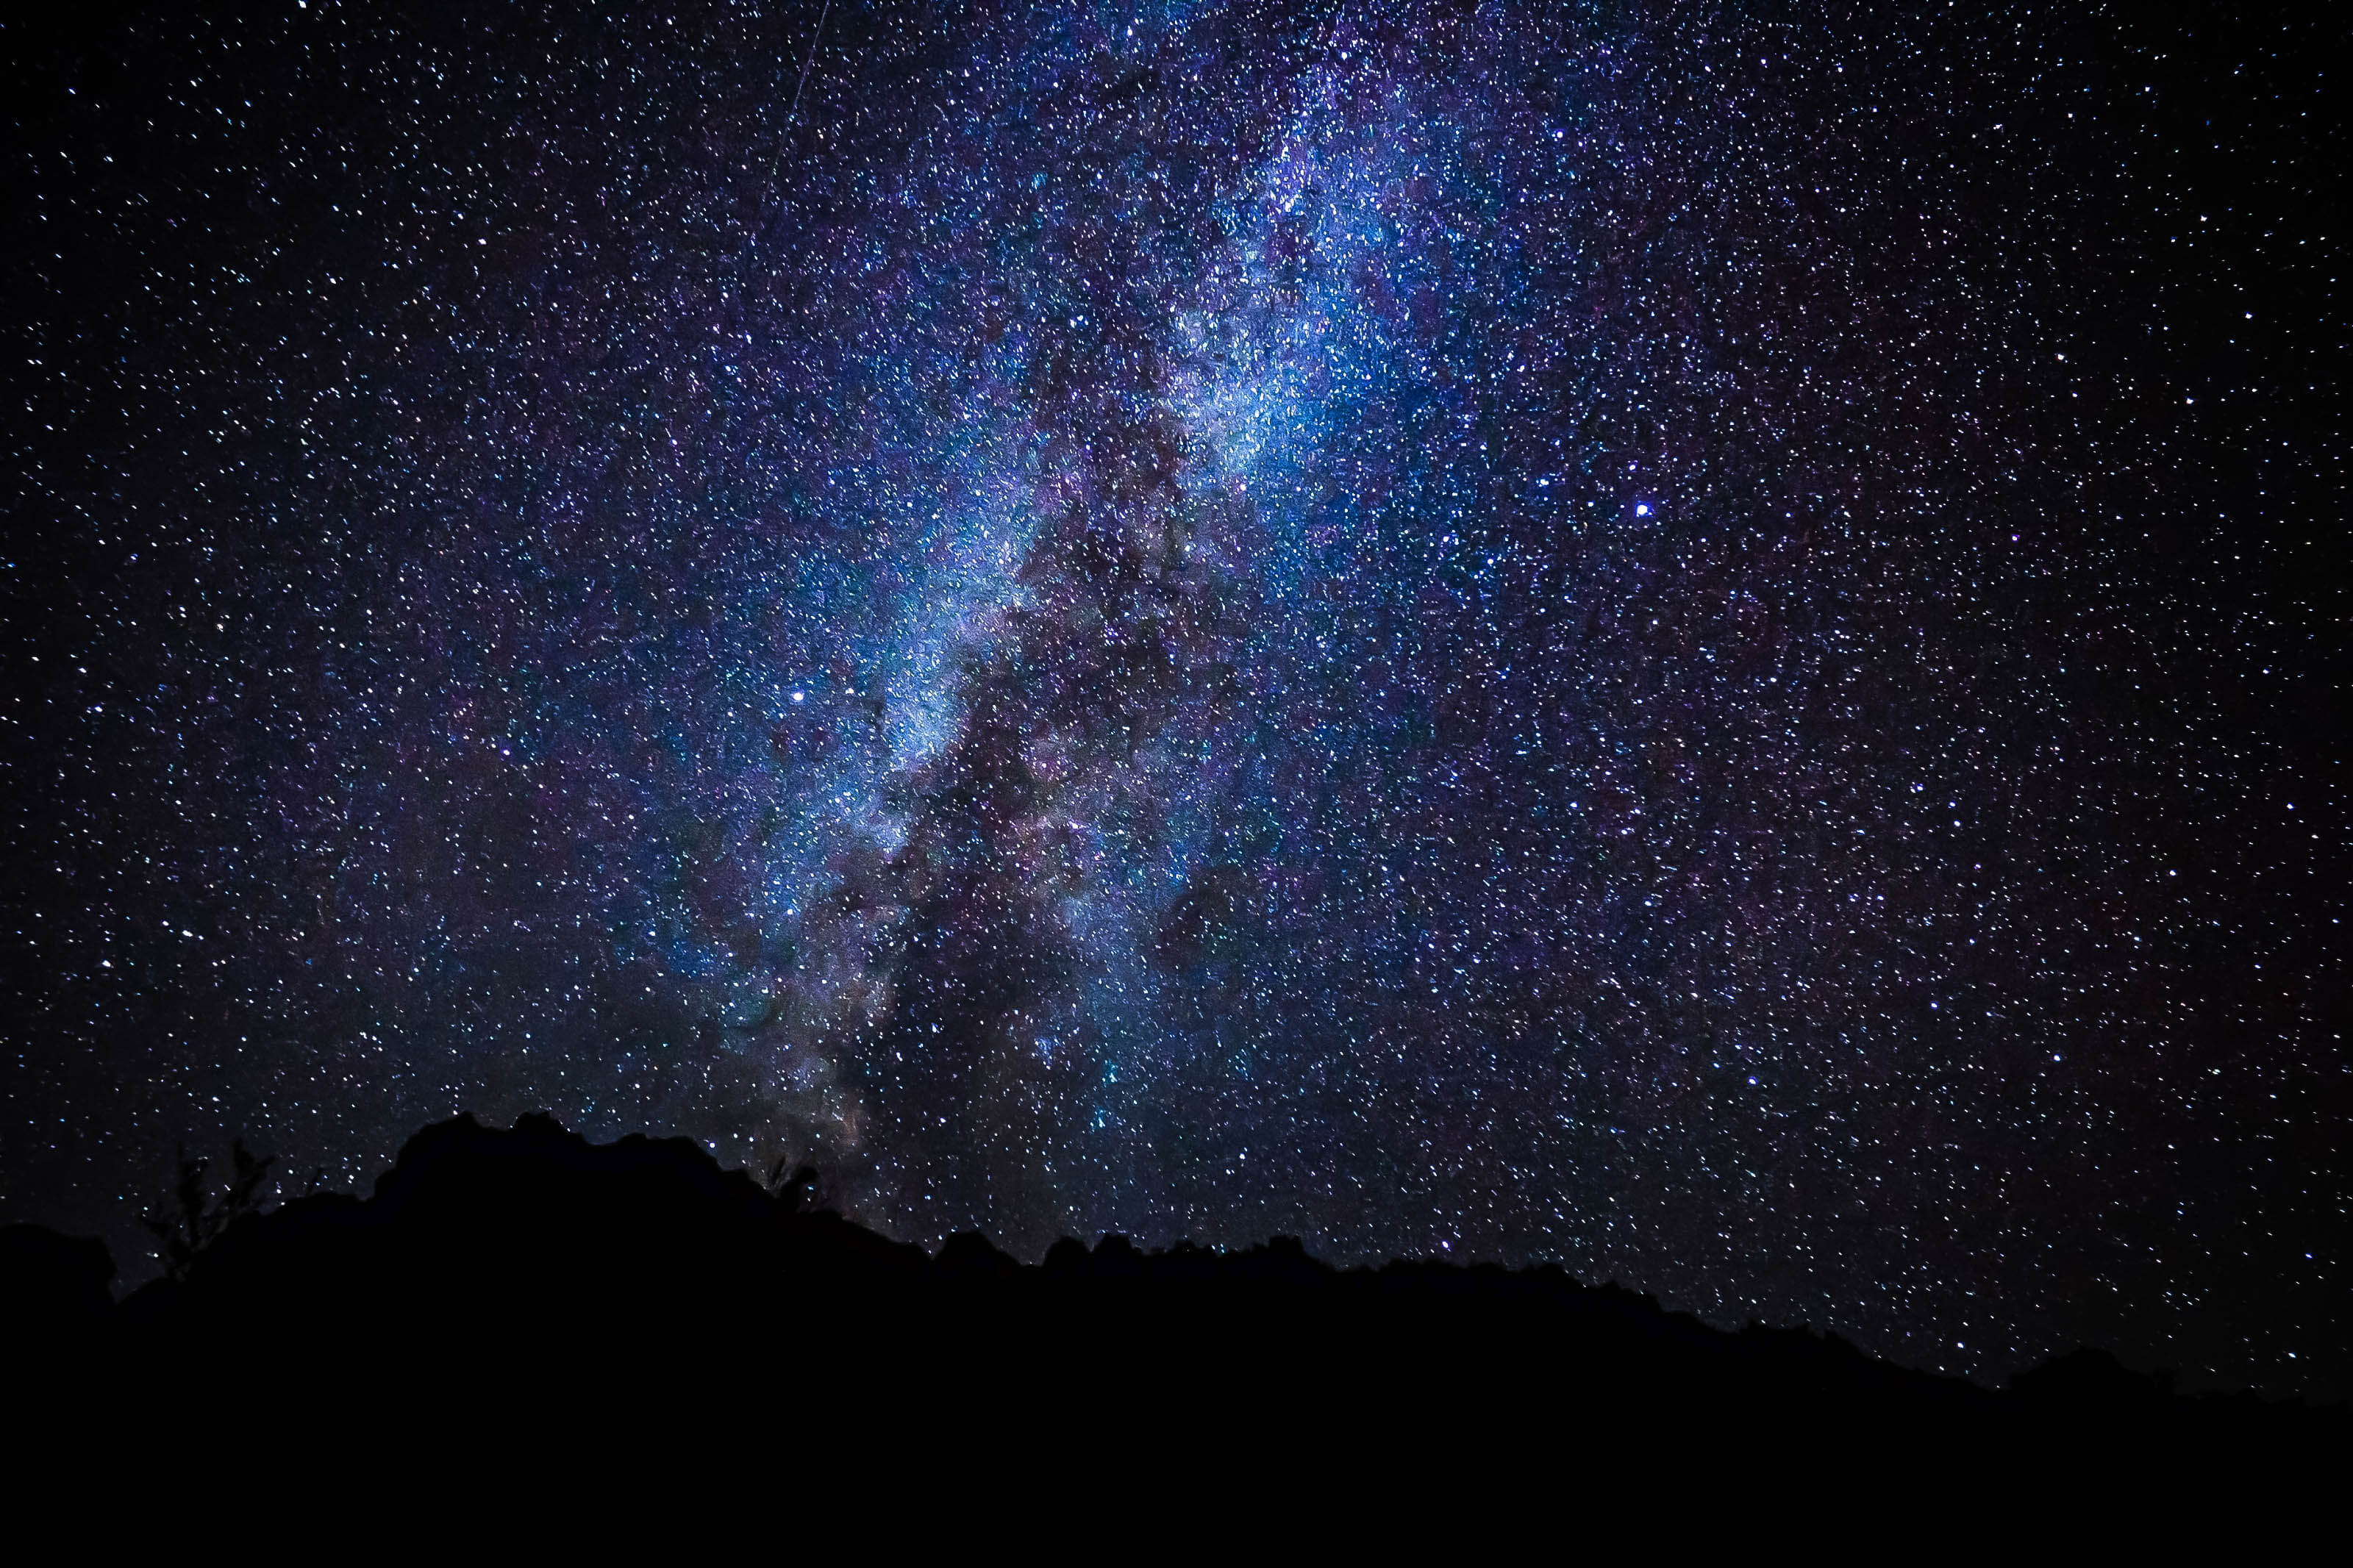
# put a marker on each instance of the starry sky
(1700, 641)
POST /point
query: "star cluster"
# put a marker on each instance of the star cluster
(1689, 641)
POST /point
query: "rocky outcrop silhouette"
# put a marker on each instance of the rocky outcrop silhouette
(50, 1283)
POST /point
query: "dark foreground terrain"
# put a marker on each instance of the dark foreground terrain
(503, 1283)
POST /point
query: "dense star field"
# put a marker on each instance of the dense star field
(1699, 641)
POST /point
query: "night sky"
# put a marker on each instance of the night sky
(1699, 641)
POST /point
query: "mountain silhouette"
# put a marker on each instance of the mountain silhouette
(564, 1275)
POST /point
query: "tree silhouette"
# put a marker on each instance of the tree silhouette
(192, 1217)
(797, 1192)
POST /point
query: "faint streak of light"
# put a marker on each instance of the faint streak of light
(823, 11)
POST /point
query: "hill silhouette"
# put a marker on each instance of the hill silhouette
(531, 1258)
